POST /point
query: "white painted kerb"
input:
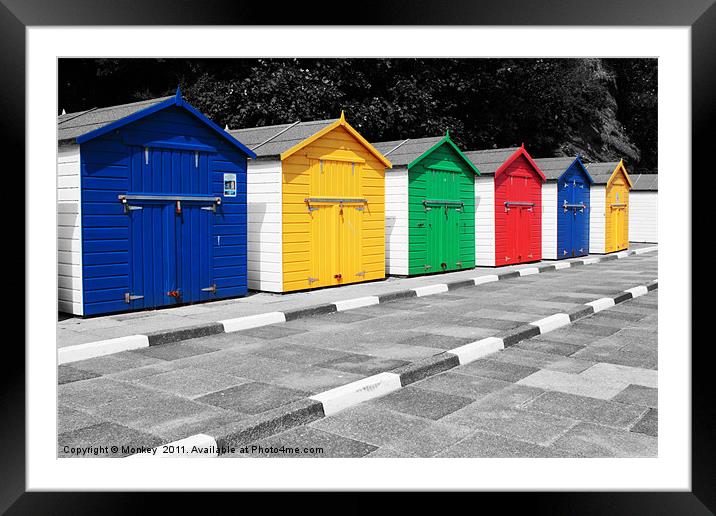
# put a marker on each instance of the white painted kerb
(359, 302)
(489, 278)
(552, 322)
(430, 289)
(637, 291)
(252, 321)
(601, 304)
(356, 392)
(474, 350)
(100, 348)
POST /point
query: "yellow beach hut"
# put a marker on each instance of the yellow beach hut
(316, 206)
(609, 207)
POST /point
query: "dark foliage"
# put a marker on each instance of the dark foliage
(603, 109)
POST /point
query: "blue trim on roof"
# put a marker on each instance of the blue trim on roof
(178, 101)
(578, 161)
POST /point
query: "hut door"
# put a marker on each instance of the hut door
(336, 209)
(572, 209)
(617, 228)
(519, 216)
(170, 224)
(443, 207)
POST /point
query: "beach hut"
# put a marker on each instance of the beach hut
(643, 208)
(609, 203)
(508, 207)
(430, 206)
(316, 203)
(151, 208)
(565, 208)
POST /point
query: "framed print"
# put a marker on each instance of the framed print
(440, 246)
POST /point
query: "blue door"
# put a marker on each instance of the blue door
(171, 228)
(572, 216)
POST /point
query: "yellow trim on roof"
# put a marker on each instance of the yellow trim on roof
(338, 123)
(616, 169)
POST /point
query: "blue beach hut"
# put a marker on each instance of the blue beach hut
(151, 208)
(565, 208)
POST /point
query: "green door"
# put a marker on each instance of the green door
(443, 208)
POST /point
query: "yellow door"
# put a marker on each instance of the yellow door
(617, 223)
(336, 209)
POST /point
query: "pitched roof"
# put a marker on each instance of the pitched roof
(601, 172)
(404, 152)
(86, 125)
(488, 161)
(553, 168)
(72, 125)
(645, 182)
(273, 140)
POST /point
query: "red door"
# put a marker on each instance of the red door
(518, 211)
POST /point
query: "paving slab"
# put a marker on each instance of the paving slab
(373, 425)
(649, 424)
(190, 382)
(431, 440)
(69, 419)
(490, 368)
(622, 374)
(584, 408)
(114, 363)
(482, 444)
(573, 384)
(171, 352)
(466, 386)
(362, 364)
(422, 402)
(590, 440)
(67, 374)
(252, 397)
(639, 395)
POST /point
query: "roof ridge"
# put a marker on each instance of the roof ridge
(396, 147)
(77, 115)
(275, 135)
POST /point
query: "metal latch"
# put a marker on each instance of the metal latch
(459, 264)
(174, 293)
(209, 208)
(128, 298)
(361, 273)
(528, 205)
(428, 267)
(311, 280)
(211, 289)
(338, 276)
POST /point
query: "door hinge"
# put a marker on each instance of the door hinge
(428, 267)
(128, 298)
(529, 255)
(507, 258)
(211, 289)
(564, 251)
(360, 273)
(209, 208)
(459, 264)
(312, 280)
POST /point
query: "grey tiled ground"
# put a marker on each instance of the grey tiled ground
(567, 392)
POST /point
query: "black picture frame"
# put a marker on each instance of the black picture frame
(17, 15)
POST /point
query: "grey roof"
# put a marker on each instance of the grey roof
(488, 161)
(645, 182)
(553, 168)
(404, 152)
(72, 125)
(272, 140)
(601, 172)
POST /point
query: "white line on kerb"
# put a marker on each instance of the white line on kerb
(637, 291)
(601, 304)
(489, 278)
(562, 265)
(430, 289)
(474, 350)
(528, 271)
(356, 392)
(552, 322)
(252, 321)
(359, 302)
(100, 348)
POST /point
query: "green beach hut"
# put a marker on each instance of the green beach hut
(429, 206)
